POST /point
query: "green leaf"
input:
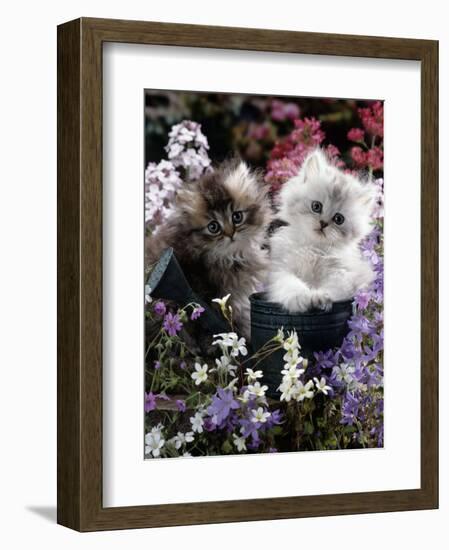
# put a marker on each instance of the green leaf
(308, 428)
(226, 447)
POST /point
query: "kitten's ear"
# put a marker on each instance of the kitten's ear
(314, 165)
(187, 200)
(242, 169)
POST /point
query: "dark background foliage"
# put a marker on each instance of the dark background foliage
(248, 125)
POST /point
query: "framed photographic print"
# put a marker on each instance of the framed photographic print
(247, 287)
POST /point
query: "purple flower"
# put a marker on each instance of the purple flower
(379, 316)
(157, 365)
(150, 402)
(181, 405)
(374, 376)
(352, 353)
(222, 404)
(274, 419)
(349, 410)
(163, 396)
(371, 255)
(159, 308)
(362, 300)
(209, 425)
(196, 313)
(253, 444)
(323, 360)
(172, 324)
(182, 365)
(359, 325)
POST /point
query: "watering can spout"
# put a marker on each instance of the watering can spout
(168, 282)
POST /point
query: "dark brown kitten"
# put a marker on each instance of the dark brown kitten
(218, 231)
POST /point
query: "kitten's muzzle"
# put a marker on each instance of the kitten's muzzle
(229, 234)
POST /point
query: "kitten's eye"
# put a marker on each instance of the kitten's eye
(317, 207)
(213, 227)
(237, 217)
(338, 218)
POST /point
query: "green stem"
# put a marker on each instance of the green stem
(370, 170)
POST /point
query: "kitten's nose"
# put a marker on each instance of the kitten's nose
(323, 224)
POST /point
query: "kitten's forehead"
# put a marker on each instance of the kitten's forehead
(334, 192)
(231, 186)
(241, 185)
(214, 194)
(217, 194)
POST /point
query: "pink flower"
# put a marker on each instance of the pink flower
(356, 134)
(288, 154)
(279, 171)
(334, 155)
(359, 156)
(308, 131)
(373, 118)
(258, 131)
(281, 110)
(375, 158)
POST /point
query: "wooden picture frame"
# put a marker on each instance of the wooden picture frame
(80, 351)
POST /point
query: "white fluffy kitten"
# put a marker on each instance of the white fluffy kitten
(316, 258)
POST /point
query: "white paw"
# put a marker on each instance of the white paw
(320, 300)
(297, 303)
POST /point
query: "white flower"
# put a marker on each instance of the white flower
(321, 385)
(279, 336)
(257, 390)
(187, 147)
(153, 444)
(259, 415)
(197, 422)
(291, 372)
(175, 150)
(222, 302)
(239, 442)
(344, 372)
(304, 391)
(231, 385)
(239, 346)
(291, 343)
(288, 391)
(224, 364)
(244, 398)
(200, 374)
(187, 455)
(157, 429)
(161, 183)
(231, 340)
(148, 298)
(181, 439)
(226, 339)
(292, 357)
(253, 375)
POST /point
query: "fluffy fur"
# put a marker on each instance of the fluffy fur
(218, 230)
(315, 257)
